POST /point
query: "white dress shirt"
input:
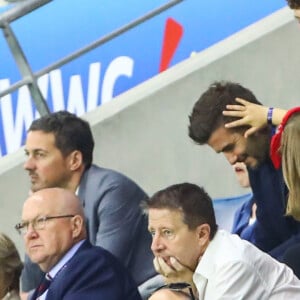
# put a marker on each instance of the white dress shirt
(234, 269)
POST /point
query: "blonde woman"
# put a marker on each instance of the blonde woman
(10, 269)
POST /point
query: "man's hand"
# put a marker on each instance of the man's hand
(177, 272)
(174, 273)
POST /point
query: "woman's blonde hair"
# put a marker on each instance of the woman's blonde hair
(10, 264)
(290, 149)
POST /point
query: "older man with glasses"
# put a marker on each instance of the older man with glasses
(55, 238)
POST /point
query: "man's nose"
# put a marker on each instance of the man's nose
(31, 232)
(157, 243)
(29, 163)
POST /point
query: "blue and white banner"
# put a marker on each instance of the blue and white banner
(61, 27)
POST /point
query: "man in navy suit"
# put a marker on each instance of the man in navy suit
(55, 237)
(59, 149)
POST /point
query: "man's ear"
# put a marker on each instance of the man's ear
(77, 224)
(203, 232)
(75, 160)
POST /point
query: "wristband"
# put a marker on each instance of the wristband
(270, 115)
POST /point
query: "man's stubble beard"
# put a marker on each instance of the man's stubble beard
(258, 147)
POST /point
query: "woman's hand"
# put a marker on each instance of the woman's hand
(249, 114)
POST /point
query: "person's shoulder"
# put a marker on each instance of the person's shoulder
(265, 167)
(110, 177)
(88, 250)
(225, 251)
(229, 247)
(95, 257)
(104, 273)
(107, 173)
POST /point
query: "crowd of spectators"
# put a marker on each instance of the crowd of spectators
(93, 233)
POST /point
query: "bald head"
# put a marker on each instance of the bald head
(54, 222)
(56, 200)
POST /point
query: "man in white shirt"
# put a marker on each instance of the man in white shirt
(188, 247)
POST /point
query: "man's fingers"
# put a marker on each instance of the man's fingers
(176, 264)
(156, 265)
(166, 269)
(161, 267)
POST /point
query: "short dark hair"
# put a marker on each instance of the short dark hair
(192, 200)
(294, 4)
(207, 115)
(71, 133)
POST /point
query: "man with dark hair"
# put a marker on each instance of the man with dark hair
(207, 112)
(59, 149)
(217, 264)
(207, 126)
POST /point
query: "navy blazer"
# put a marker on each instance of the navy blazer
(93, 273)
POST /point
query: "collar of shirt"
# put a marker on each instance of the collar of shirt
(205, 266)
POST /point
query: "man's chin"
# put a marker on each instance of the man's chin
(253, 166)
(36, 187)
(252, 163)
(35, 257)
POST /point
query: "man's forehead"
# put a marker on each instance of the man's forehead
(38, 134)
(164, 216)
(32, 204)
(39, 140)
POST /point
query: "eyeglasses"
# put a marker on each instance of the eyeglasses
(37, 223)
(178, 287)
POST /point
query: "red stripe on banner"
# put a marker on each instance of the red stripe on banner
(172, 36)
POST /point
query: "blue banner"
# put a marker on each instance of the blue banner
(61, 27)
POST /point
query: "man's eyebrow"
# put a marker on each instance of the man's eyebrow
(218, 151)
(228, 147)
(35, 150)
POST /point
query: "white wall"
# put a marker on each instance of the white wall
(143, 133)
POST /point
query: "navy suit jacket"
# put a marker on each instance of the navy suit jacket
(115, 221)
(241, 219)
(93, 273)
(273, 231)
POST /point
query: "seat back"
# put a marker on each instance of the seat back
(225, 209)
